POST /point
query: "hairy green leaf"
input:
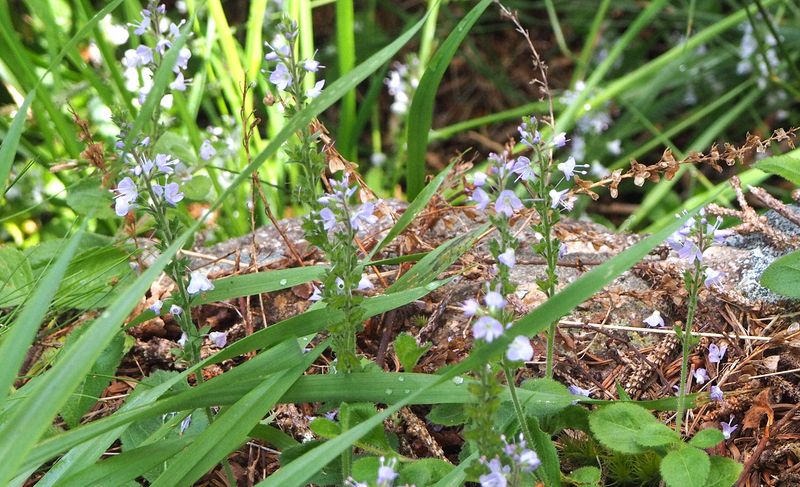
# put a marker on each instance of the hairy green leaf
(685, 467)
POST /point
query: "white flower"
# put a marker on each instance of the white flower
(176, 310)
(316, 90)
(495, 300)
(557, 198)
(312, 65)
(520, 350)
(199, 283)
(156, 307)
(280, 77)
(479, 178)
(364, 283)
(713, 277)
(487, 328)
(184, 337)
(568, 167)
(386, 473)
(508, 258)
(470, 307)
(180, 83)
(654, 320)
(218, 338)
(126, 194)
(316, 295)
(207, 150)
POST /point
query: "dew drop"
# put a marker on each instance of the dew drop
(458, 380)
(283, 282)
(401, 378)
(388, 392)
(406, 391)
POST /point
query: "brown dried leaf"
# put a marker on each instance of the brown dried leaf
(584, 187)
(759, 408)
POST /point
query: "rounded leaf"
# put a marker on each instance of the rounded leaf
(685, 467)
(619, 426)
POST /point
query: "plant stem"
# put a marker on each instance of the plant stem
(512, 388)
(686, 341)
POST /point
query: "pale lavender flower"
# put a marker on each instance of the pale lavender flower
(180, 83)
(470, 307)
(316, 295)
(126, 194)
(328, 218)
(557, 197)
(479, 178)
(175, 310)
(713, 277)
(579, 391)
(480, 197)
(528, 136)
(568, 167)
(716, 353)
(136, 58)
(142, 26)
(614, 147)
(199, 283)
(164, 163)
(654, 320)
(487, 328)
(523, 167)
(508, 258)
(156, 307)
(316, 90)
(207, 150)
(520, 350)
(507, 203)
(340, 284)
(184, 339)
(187, 421)
(562, 249)
(182, 62)
(701, 376)
(175, 29)
(170, 191)
(728, 428)
(364, 215)
(494, 300)
(527, 460)
(218, 338)
(351, 482)
(312, 65)
(278, 53)
(560, 140)
(386, 473)
(716, 393)
(497, 476)
(364, 283)
(281, 77)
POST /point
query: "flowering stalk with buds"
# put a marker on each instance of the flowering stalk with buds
(152, 185)
(690, 241)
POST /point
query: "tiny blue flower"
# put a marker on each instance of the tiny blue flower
(716, 393)
(700, 375)
(218, 338)
(728, 428)
(716, 353)
(654, 320)
(507, 203)
(508, 258)
(487, 328)
(281, 77)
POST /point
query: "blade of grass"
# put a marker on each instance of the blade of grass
(17, 341)
(346, 55)
(420, 116)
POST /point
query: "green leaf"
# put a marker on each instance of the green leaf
(542, 444)
(558, 395)
(408, 352)
(16, 277)
(420, 115)
(707, 438)
(448, 414)
(585, 477)
(325, 428)
(88, 197)
(618, 426)
(783, 275)
(198, 189)
(786, 166)
(724, 472)
(425, 471)
(685, 467)
(258, 283)
(88, 393)
(351, 415)
(657, 434)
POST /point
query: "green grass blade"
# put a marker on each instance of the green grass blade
(416, 206)
(229, 429)
(15, 344)
(127, 466)
(346, 52)
(420, 116)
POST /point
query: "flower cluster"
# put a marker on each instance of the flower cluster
(385, 477)
(401, 84)
(150, 176)
(289, 72)
(142, 62)
(522, 460)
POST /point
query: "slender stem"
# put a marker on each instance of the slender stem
(512, 388)
(686, 340)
